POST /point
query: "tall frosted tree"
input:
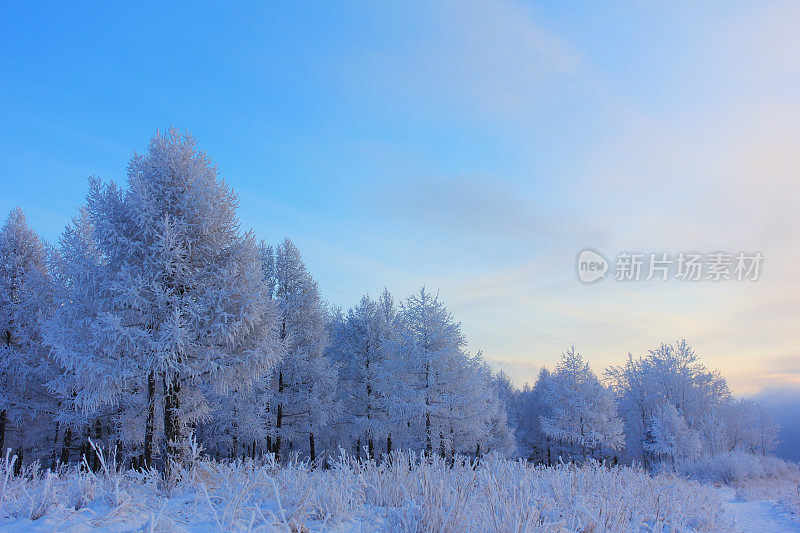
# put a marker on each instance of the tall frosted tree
(26, 297)
(669, 374)
(430, 338)
(165, 294)
(302, 395)
(477, 419)
(446, 396)
(77, 270)
(365, 353)
(532, 439)
(582, 412)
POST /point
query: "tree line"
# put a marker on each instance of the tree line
(660, 409)
(156, 323)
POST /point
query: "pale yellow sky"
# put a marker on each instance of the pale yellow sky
(700, 152)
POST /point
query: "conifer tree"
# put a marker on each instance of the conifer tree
(582, 410)
(26, 297)
(165, 294)
(303, 389)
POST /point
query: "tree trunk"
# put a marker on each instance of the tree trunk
(452, 454)
(83, 450)
(54, 460)
(311, 448)
(3, 414)
(98, 435)
(94, 460)
(389, 444)
(151, 420)
(367, 377)
(428, 442)
(277, 449)
(234, 450)
(3, 421)
(172, 424)
(65, 446)
(279, 419)
(118, 456)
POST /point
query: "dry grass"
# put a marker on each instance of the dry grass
(408, 493)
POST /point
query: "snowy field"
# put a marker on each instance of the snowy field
(402, 495)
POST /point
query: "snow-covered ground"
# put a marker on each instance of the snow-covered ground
(404, 495)
(762, 515)
(768, 504)
(759, 515)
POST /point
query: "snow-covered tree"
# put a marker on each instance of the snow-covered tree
(165, 295)
(763, 437)
(745, 425)
(582, 409)
(364, 352)
(431, 342)
(447, 398)
(485, 422)
(506, 392)
(528, 407)
(669, 437)
(669, 374)
(26, 298)
(238, 425)
(303, 388)
(517, 404)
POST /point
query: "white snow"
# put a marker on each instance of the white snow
(758, 516)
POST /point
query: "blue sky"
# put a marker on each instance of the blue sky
(474, 147)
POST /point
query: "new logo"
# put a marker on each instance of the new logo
(591, 266)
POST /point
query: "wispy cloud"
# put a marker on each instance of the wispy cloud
(487, 57)
(476, 206)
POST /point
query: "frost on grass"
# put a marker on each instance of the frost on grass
(408, 493)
